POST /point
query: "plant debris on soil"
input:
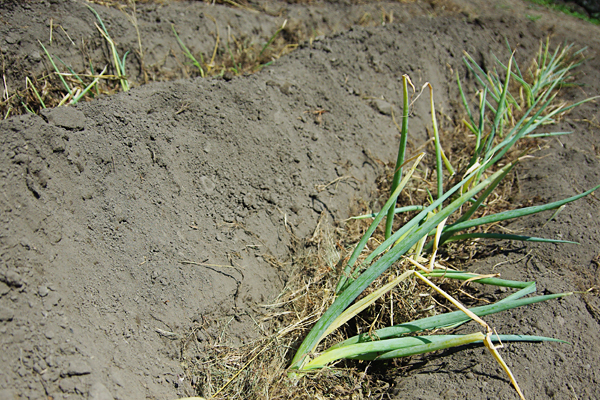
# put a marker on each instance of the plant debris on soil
(166, 240)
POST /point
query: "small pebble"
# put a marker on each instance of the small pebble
(99, 392)
(35, 56)
(6, 314)
(4, 288)
(77, 367)
(383, 106)
(43, 291)
(11, 39)
(11, 278)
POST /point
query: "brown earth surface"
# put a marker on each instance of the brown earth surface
(130, 219)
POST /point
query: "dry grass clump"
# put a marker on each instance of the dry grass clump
(263, 364)
(233, 56)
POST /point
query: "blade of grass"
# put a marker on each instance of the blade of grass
(56, 68)
(88, 87)
(123, 61)
(549, 134)
(438, 148)
(272, 38)
(236, 68)
(510, 50)
(457, 340)
(214, 54)
(464, 100)
(499, 115)
(120, 72)
(466, 276)
(188, 53)
(480, 127)
(64, 99)
(73, 73)
(476, 70)
(27, 108)
(118, 63)
(37, 95)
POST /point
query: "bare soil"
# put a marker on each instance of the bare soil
(131, 219)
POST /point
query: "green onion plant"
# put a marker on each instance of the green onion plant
(188, 53)
(499, 123)
(243, 57)
(118, 62)
(272, 38)
(75, 94)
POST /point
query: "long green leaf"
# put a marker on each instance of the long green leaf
(459, 340)
(477, 71)
(465, 276)
(187, 52)
(447, 235)
(504, 236)
(438, 148)
(518, 77)
(451, 319)
(272, 38)
(482, 197)
(409, 227)
(529, 289)
(480, 128)
(73, 73)
(28, 82)
(499, 116)
(401, 150)
(117, 62)
(506, 215)
(396, 211)
(525, 126)
(464, 100)
(549, 134)
(412, 345)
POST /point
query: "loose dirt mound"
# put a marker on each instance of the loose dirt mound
(129, 219)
